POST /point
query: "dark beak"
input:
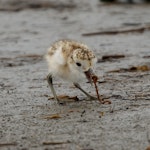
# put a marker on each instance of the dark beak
(89, 73)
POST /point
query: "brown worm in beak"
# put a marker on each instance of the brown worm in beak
(89, 75)
(95, 78)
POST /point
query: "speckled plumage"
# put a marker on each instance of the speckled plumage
(62, 57)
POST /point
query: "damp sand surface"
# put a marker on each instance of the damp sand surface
(31, 119)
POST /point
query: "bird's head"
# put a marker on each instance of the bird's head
(83, 60)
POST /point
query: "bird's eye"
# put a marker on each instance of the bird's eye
(78, 64)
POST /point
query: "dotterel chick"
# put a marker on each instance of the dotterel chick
(71, 61)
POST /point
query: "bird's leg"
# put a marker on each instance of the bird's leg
(88, 95)
(50, 82)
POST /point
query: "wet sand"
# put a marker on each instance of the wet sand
(30, 120)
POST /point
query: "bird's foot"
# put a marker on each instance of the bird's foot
(90, 97)
(60, 102)
(106, 101)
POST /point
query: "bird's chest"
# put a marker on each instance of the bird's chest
(63, 71)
